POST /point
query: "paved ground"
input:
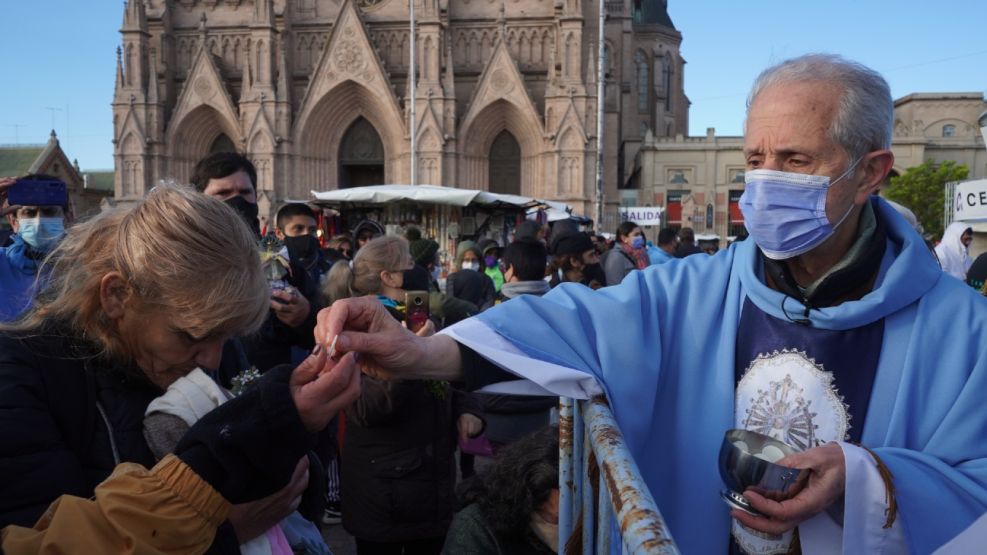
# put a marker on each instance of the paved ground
(339, 541)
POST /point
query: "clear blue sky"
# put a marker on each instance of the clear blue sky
(61, 54)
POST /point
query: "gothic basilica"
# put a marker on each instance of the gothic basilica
(316, 93)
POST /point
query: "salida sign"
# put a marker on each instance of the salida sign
(970, 201)
(641, 215)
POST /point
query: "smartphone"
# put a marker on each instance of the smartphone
(38, 193)
(416, 307)
(281, 286)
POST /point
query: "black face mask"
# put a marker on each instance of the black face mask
(302, 249)
(594, 271)
(247, 211)
(416, 279)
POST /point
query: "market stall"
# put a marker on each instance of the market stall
(446, 214)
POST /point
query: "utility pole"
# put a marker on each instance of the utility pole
(16, 126)
(600, 91)
(52, 111)
(411, 87)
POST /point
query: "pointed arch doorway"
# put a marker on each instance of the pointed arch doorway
(361, 156)
(504, 175)
(222, 143)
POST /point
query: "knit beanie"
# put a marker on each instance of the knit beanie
(423, 251)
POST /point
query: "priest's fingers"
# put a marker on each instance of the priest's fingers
(779, 516)
(351, 314)
(762, 524)
(825, 486)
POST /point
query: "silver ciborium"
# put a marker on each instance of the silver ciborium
(747, 463)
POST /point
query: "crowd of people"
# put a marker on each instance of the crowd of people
(174, 381)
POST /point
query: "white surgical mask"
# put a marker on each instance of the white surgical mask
(471, 266)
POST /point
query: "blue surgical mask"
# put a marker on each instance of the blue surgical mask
(785, 213)
(637, 242)
(41, 233)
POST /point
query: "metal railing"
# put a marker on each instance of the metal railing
(600, 485)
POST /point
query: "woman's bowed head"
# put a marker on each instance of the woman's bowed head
(160, 287)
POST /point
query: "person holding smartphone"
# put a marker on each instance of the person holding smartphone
(35, 207)
(398, 468)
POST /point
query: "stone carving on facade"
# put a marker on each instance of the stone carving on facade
(348, 83)
(286, 89)
(348, 57)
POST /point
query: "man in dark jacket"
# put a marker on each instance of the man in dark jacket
(296, 227)
(232, 178)
(509, 417)
(575, 259)
(687, 243)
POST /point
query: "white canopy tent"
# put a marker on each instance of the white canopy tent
(431, 194)
(448, 214)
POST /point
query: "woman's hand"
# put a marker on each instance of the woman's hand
(469, 426)
(322, 387)
(427, 330)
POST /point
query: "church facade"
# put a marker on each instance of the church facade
(316, 93)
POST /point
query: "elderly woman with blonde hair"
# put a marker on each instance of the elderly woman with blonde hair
(133, 300)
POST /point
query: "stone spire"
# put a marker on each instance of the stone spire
(591, 69)
(449, 78)
(247, 81)
(263, 13)
(119, 82)
(502, 21)
(152, 79)
(283, 91)
(135, 47)
(134, 16)
(553, 77)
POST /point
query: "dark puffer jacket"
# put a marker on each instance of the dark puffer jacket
(398, 458)
(398, 464)
(57, 405)
(67, 417)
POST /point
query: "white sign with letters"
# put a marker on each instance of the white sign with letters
(641, 215)
(970, 201)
